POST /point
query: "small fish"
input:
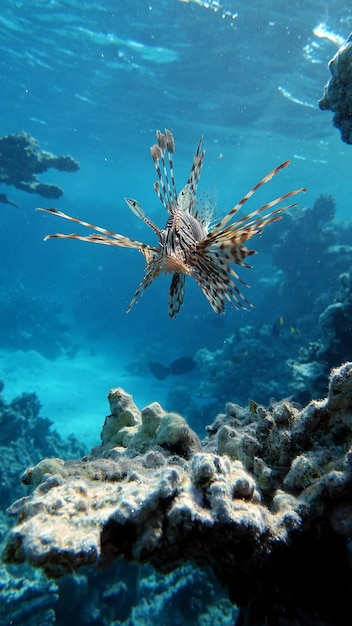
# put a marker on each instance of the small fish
(183, 365)
(187, 246)
(277, 326)
(4, 199)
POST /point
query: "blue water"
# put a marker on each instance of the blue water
(95, 80)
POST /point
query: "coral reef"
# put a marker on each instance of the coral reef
(27, 600)
(134, 595)
(226, 371)
(264, 500)
(121, 593)
(336, 324)
(21, 161)
(337, 93)
(186, 596)
(302, 286)
(25, 437)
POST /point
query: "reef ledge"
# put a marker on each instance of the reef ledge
(265, 500)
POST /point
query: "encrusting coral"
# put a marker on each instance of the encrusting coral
(265, 500)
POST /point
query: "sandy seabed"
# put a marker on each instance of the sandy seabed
(73, 391)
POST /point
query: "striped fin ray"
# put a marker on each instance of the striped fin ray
(166, 193)
(222, 223)
(246, 227)
(170, 145)
(249, 220)
(108, 237)
(159, 185)
(216, 279)
(176, 294)
(148, 252)
(194, 176)
(227, 245)
(166, 144)
(231, 252)
(151, 273)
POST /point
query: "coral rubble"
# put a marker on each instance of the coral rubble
(21, 161)
(337, 94)
(264, 500)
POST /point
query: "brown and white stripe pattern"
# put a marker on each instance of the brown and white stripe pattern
(186, 246)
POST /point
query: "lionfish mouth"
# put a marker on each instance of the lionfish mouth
(187, 245)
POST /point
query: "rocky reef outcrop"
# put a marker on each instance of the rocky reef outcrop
(124, 593)
(264, 500)
(21, 161)
(337, 93)
(336, 323)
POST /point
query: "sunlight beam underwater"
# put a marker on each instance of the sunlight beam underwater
(187, 246)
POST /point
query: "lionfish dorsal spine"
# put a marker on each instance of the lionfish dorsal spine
(165, 190)
(222, 223)
(170, 145)
(194, 177)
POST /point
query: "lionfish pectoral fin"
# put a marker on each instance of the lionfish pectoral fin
(216, 278)
(219, 291)
(138, 210)
(150, 254)
(107, 237)
(176, 294)
(152, 272)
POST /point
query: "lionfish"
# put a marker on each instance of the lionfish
(188, 246)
